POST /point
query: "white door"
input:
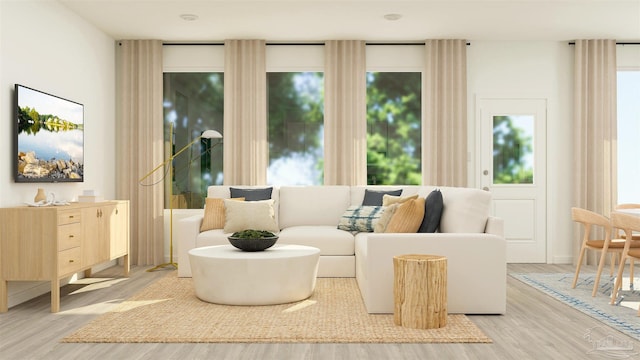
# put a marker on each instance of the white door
(513, 168)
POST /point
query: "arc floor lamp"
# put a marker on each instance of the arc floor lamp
(207, 134)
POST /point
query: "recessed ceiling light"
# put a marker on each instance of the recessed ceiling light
(189, 17)
(393, 17)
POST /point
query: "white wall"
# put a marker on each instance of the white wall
(47, 47)
(528, 69)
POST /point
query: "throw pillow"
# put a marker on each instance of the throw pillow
(360, 218)
(381, 225)
(252, 194)
(214, 214)
(374, 198)
(390, 199)
(256, 215)
(434, 205)
(407, 218)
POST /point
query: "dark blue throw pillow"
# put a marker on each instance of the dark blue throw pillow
(374, 198)
(433, 207)
(252, 194)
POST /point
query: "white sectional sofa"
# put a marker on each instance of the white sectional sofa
(469, 237)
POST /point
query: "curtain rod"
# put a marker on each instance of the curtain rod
(290, 44)
(617, 43)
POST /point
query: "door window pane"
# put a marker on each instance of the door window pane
(296, 124)
(394, 128)
(193, 103)
(513, 149)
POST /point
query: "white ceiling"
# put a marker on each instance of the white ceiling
(307, 20)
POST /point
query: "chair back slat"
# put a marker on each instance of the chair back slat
(589, 217)
(628, 206)
(626, 222)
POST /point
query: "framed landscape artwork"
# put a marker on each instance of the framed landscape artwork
(49, 137)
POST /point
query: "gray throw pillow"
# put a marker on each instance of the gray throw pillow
(374, 198)
(252, 194)
(433, 207)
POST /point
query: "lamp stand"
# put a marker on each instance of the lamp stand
(171, 263)
(207, 134)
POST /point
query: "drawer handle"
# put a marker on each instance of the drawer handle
(70, 261)
(71, 216)
(70, 236)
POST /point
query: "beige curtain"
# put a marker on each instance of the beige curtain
(139, 144)
(444, 113)
(246, 151)
(345, 118)
(595, 124)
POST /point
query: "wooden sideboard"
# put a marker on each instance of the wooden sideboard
(53, 242)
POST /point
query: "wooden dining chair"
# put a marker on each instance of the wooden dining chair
(629, 224)
(590, 220)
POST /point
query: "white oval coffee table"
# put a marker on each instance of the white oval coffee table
(281, 274)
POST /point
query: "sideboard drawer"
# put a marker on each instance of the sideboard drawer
(69, 260)
(69, 217)
(69, 236)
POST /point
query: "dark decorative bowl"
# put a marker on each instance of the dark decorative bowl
(258, 244)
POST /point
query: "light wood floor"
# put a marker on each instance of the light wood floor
(534, 327)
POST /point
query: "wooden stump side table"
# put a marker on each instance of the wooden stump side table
(420, 291)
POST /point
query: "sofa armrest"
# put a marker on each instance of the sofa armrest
(187, 230)
(476, 274)
(495, 226)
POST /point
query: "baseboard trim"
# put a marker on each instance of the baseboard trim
(562, 260)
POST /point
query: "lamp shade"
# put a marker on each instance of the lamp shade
(211, 134)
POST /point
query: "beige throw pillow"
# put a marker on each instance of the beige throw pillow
(407, 218)
(391, 199)
(381, 225)
(214, 214)
(243, 215)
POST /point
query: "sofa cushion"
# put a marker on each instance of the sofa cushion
(407, 218)
(465, 210)
(360, 218)
(212, 237)
(312, 205)
(432, 212)
(214, 214)
(241, 215)
(329, 239)
(251, 194)
(374, 197)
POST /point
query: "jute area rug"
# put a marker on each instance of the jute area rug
(168, 311)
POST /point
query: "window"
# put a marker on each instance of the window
(295, 91)
(513, 149)
(628, 136)
(394, 113)
(394, 128)
(193, 103)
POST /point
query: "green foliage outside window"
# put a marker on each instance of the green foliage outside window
(296, 123)
(512, 150)
(394, 128)
(193, 103)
